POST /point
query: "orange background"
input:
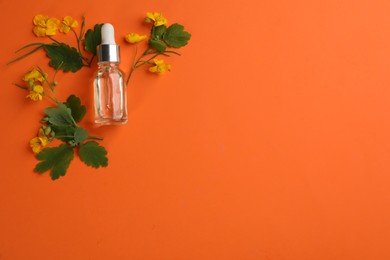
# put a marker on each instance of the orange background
(268, 140)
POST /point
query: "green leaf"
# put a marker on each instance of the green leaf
(93, 38)
(175, 36)
(80, 135)
(59, 116)
(78, 110)
(64, 133)
(160, 46)
(94, 155)
(57, 159)
(64, 57)
(158, 32)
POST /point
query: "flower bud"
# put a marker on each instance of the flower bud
(47, 130)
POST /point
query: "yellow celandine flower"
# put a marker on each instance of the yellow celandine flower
(33, 76)
(160, 67)
(36, 93)
(45, 25)
(157, 18)
(37, 143)
(134, 37)
(67, 23)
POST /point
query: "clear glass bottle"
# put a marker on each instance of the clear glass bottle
(109, 84)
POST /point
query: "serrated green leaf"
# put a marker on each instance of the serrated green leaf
(64, 57)
(78, 110)
(175, 36)
(94, 155)
(158, 45)
(57, 159)
(158, 32)
(93, 38)
(59, 116)
(80, 135)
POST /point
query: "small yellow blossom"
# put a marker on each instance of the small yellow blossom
(37, 143)
(157, 18)
(160, 67)
(36, 93)
(67, 23)
(45, 25)
(33, 76)
(134, 37)
(42, 137)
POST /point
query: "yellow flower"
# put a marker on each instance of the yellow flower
(160, 67)
(68, 23)
(157, 18)
(37, 143)
(134, 37)
(36, 93)
(45, 25)
(42, 137)
(34, 75)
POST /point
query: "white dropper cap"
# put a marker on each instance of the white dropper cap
(108, 34)
(108, 50)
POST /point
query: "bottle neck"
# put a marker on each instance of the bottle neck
(108, 64)
(108, 52)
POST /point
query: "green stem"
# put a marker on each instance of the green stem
(90, 62)
(94, 137)
(78, 44)
(63, 136)
(29, 45)
(140, 62)
(51, 98)
(55, 74)
(54, 40)
(27, 54)
(48, 84)
(147, 61)
(20, 86)
(82, 30)
(133, 65)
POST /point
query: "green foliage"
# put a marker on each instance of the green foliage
(64, 57)
(93, 38)
(158, 32)
(61, 121)
(60, 115)
(80, 135)
(57, 159)
(64, 133)
(161, 37)
(94, 155)
(78, 110)
(158, 45)
(175, 36)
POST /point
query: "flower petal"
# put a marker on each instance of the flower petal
(39, 31)
(40, 20)
(134, 37)
(69, 21)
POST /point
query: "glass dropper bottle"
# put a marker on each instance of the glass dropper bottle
(109, 84)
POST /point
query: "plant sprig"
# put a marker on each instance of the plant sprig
(71, 58)
(161, 38)
(61, 123)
